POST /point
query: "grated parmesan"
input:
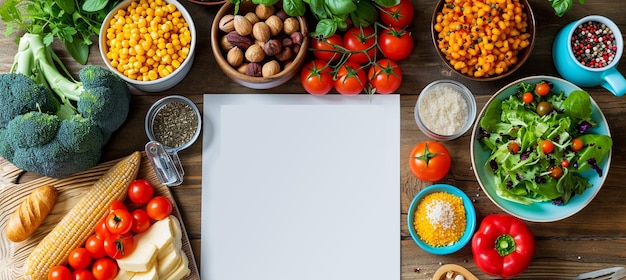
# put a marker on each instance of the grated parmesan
(440, 219)
(443, 110)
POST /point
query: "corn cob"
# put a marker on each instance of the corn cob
(78, 224)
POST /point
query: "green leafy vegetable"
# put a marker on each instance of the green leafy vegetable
(562, 6)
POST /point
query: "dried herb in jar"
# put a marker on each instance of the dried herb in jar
(175, 124)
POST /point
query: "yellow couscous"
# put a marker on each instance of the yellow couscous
(440, 219)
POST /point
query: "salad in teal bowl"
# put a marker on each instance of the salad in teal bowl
(541, 149)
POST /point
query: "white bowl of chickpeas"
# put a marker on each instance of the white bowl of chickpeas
(149, 43)
(483, 41)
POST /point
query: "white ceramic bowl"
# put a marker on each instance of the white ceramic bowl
(163, 83)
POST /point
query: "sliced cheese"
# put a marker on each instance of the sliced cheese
(140, 260)
(177, 239)
(181, 271)
(151, 274)
(161, 233)
(167, 264)
(124, 275)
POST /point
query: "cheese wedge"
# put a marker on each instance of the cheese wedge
(181, 271)
(169, 263)
(124, 275)
(140, 260)
(151, 274)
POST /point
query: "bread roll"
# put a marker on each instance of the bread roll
(31, 213)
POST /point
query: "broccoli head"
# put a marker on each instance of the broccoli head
(52, 124)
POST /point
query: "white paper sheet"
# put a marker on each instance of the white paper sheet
(301, 187)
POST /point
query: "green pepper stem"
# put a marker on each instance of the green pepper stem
(505, 244)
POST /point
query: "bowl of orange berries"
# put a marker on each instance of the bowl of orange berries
(149, 43)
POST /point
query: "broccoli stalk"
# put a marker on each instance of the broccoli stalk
(53, 124)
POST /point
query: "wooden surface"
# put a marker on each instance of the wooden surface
(593, 238)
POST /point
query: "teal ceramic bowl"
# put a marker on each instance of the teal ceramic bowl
(544, 211)
(470, 217)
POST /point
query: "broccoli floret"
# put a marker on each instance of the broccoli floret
(54, 125)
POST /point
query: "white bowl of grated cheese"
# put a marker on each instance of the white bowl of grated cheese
(445, 110)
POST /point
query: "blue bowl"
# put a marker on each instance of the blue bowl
(470, 217)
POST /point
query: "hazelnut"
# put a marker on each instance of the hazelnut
(287, 42)
(291, 25)
(264, 11)
(234, 57)
(261, 32)
(242, 68)
(272, 47)
(297, 38)
(224, 44)
(270, 68)
(227, 23)
(285, 55)
(255, 53)
(254, 69)
(242, 25)
(282, 15)
(252, 17)
(275, 24)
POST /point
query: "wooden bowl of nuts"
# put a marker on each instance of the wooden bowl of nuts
(261, 47)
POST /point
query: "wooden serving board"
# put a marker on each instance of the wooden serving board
(71, 189)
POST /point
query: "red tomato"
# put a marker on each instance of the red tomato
(351, 79)
(104, 269)
(577, 144)
(119, 246)
(395, 44)
(59, 272)
(82, 274)
(79, 258)
(430, 161)
(527, 98)
(547, 146)
(316, 78)
(95, 246)
(140, 191)
(542, 88)
(361, 42)
(119, 221)
(117, 205)
(101, 228)
(327, 49)
(385, 76)
(399, 15)
(141, 221)
(159, 208)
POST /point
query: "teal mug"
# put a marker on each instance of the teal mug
(578, 61)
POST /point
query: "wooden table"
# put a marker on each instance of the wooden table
(593, 238)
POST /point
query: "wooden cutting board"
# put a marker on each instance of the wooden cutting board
(71, 189)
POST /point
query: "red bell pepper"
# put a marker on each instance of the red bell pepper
(503, 246)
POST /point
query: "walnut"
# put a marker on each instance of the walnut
(254, 69)
(241, 42)
(242, 25)
(275, 24)
(255, 53)
(272, 47)
(227, 23)
(285, 55)
(291, 25)
(264, 11)
(234, 57)
(270, 68)
(261, 32)
(252, 17)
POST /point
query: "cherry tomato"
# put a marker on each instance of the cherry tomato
(513, 147)
(547, 146)
(140, 191)
(385, 76)
(119, 221)
(565, 163)
(555, 172)
(430, 161)
(577, 144)
(361, 42)
(101, 228)
(79, 258)
(544, 108)
(327, 49)
(82, 274)
(399, 15)
(117, 204)
(159, 208)
(528, 97)
(351, 79)
(104, 269)
(95, 246)
(119, 246)
(59, 272)
(316, 77)
(542, 88)
(141, 221)
(395, 44)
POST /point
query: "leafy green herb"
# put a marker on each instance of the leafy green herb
(562, 6)
(73, 22)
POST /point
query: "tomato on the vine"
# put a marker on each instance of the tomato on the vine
(140, 191)
(361, 42)
(104, 269)
(119, 221)
(351, 79)
(82, 274)
(327, 49)
(430, 161)
(79, 258)
(399, 15)
(95, 246)
(141, 221)
(59, 272)
(316, 77)
(159, 208)
(119, 246)
(385, 76)
(395, 44)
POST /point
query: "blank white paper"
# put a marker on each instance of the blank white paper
(300, 187)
